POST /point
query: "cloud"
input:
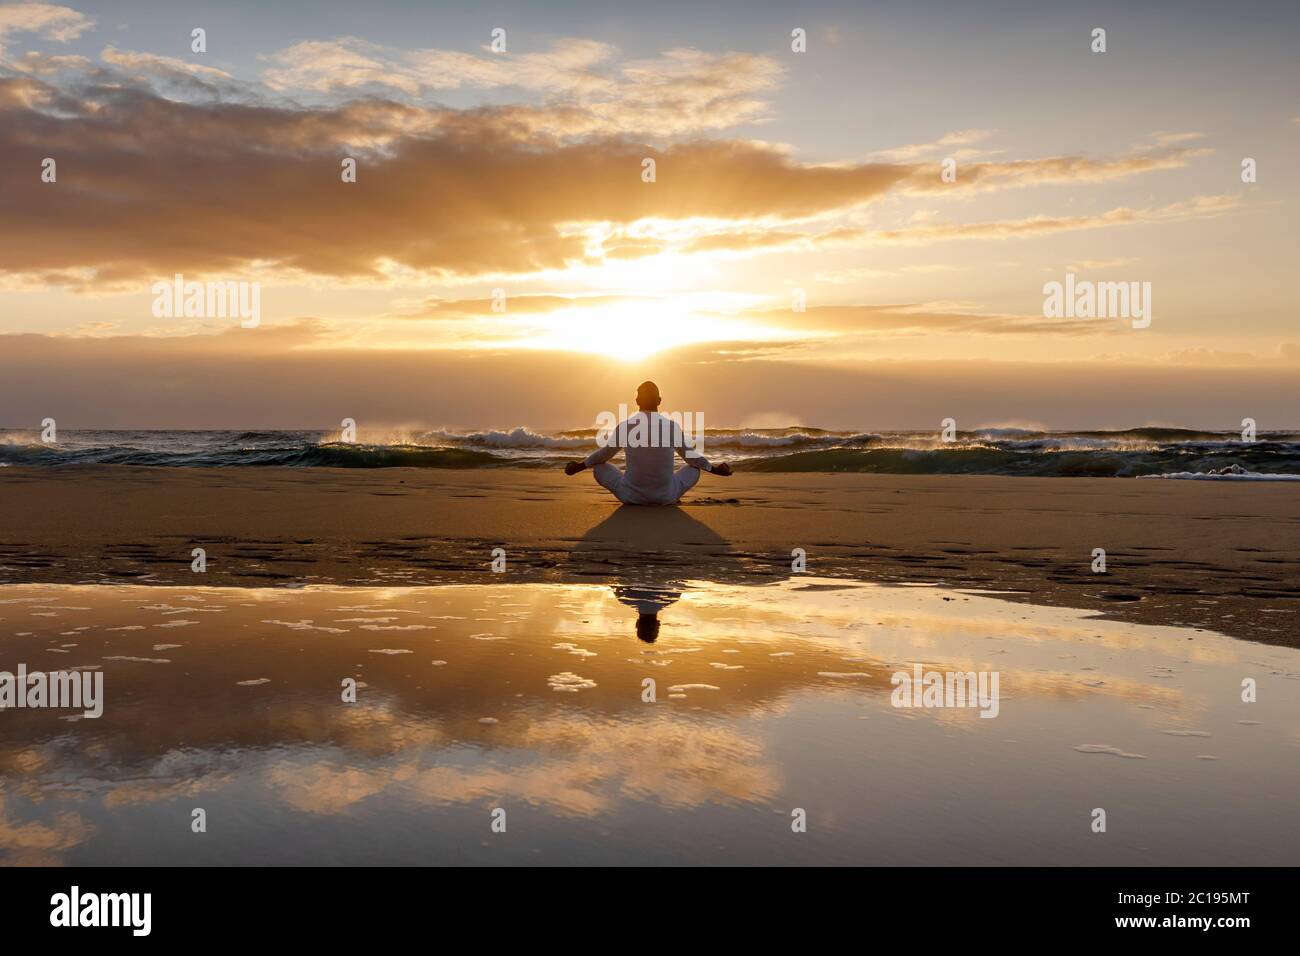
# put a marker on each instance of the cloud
(680, 91)
(976, 172)
(165, 166)
(1216, 357)
(861, 273)
(350, 63)
(1200, 207)
(436, 308)
(229, 380)
(750, 241)
(148, 186)
(47, 21)
(1283, 358)
(148, 64)
(1113, 263)
(326, 65)
(906, 318)
(168, 77)
(1167, 139)
(1058, 170)
(927, 318)
(940, 148)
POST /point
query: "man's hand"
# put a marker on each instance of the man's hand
(573, 467)
(722, 469)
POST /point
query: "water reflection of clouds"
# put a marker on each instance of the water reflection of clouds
(749, 656)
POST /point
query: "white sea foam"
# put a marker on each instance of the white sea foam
(569, 683)
(1231, 473)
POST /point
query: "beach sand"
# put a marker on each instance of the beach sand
(1208, 554)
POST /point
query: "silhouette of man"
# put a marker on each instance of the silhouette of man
(647, 600)
(649, 440)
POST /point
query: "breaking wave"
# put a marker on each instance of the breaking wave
(1135, 452)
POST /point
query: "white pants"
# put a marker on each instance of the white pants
(610, 477)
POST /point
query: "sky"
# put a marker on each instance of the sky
(800, 256)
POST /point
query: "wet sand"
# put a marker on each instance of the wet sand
(1214, 555)
(532, 699)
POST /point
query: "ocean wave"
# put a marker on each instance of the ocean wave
(1230, 473)
(760, 440)
(987, 460)
(328, 455)
(1165, 435)
(521, 438)
(962, 460)
(1117, 453)
(524, 438)
(999, 434)
(340, 455)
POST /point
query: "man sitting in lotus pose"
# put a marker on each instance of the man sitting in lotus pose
(649, 440)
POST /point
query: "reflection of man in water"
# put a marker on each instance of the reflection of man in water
(647, 601)
(647, 555)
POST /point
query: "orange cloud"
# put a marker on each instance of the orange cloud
(1200, 207)
(149, 186)
(220, 178)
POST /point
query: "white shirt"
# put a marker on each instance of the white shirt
(650, 441)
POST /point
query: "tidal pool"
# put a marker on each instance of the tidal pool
(771, 704)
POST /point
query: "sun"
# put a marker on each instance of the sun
(636, 329)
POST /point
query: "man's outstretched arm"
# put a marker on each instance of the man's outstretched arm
(600, 455)
(693, 458)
